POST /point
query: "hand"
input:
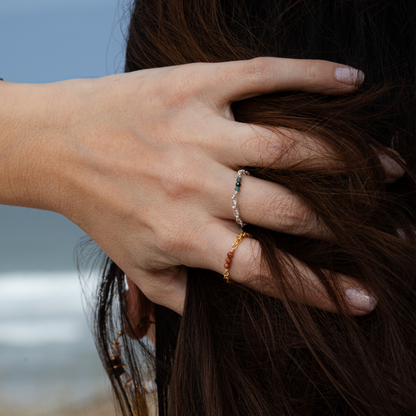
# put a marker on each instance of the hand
(145, 163)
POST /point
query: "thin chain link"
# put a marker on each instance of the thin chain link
(237, 241)
(236, 211)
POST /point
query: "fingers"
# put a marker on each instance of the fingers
(246, 269)
(268, 205)
(165, 287)
(393, 170)
(139, 312)
(274, 206)
(168, 287)
(234, 81)
(248, 145)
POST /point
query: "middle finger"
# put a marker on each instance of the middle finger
(278, 148)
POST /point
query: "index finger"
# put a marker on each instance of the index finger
(237, 80)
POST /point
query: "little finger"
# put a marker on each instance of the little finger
(163, 287)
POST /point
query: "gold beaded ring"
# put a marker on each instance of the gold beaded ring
(230, 255)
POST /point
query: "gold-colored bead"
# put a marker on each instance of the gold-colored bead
(237, 241)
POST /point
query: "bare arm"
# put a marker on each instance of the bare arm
(145, 163)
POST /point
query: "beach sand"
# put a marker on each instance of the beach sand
(98, 407)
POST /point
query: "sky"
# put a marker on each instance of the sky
(52, 40)
(46, 41)
(46, 350)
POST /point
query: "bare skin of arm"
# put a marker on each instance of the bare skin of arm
(145, 163)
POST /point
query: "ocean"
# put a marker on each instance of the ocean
(47, 355)
(48, 359)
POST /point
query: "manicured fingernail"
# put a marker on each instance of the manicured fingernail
(401, 233)
(360, 299)
(349, 75)
(392, 168)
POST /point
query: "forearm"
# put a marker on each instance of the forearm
(32, 141)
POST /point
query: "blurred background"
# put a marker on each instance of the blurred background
(48, 362)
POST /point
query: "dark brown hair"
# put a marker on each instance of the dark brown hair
(243, 353)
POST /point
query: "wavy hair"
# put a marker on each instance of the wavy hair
(237, 352)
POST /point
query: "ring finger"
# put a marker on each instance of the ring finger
(265, 204)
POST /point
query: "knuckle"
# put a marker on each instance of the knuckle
(172, 241)
(177, 242)
(181, 85)
(257, 272)
(282, 146)
(269, 145)
(292, 214)
(178, 182)
(257, 70)
(311, 70)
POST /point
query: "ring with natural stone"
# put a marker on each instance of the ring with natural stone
(236, 211)
(230, 254)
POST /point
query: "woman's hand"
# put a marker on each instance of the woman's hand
(145, 163)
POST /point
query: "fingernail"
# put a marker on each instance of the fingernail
(349, 75)
(391, 167)
(401, 233)
(360, 299)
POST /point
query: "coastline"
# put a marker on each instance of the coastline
(99, 406)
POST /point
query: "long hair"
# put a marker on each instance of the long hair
(237, 352)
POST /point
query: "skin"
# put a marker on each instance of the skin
(145, 163)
